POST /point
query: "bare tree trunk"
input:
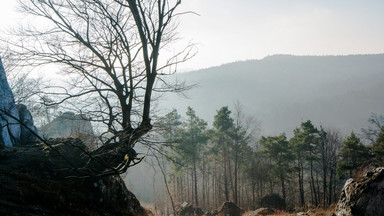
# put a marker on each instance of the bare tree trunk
(283, 187)
(235, 194)
(301, 181)
(181, 188)
(195, 182)
(330, 187)
(226, 183)
(187, 186)
(313, 187)
(166, 184)
(204, 186)
(318, 189)
(325, 173)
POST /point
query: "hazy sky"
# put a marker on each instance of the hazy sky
(229, 30)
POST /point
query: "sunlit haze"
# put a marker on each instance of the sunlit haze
(227, 31)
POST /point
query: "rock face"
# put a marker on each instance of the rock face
(67, 125)
(10, 128)
(28, 128)
(35, 181)
(12, 133)
(72, 125)
(363, 196)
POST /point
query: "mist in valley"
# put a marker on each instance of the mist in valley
(192, 107)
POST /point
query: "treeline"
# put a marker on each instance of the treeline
(228, 162)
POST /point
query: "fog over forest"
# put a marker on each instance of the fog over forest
(281, 91)
(199, 107)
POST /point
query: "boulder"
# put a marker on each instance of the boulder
(212, 213)
(260, 211)
(229, 208)
(364, 195)
(9, 127)
(28, 129)
(187, 209)
(198, 211)
(272, 201)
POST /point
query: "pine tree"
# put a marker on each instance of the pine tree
(278, 151)
(353, 154)
(378, 148)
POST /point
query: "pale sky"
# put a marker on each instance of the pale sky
(229, 30)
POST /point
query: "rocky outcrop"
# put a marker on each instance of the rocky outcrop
(363, 196)
(10, 128)
(37, 181)
(17, 128)
(67, 124)
(28, 129)
(72, 125)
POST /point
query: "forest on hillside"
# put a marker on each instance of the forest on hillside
(82, 97)
(231, 161)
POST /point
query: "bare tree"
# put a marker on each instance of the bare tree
(373, 130)
(25, 88)
(110, 50)
(333, 143)
(246, 128)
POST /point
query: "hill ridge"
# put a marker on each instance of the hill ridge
(283, 90)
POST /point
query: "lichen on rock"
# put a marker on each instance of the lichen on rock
(364, 195)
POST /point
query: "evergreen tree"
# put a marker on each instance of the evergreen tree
(194, 139)
(378, 148)
(169, 125)
(352, 155)
(278, 151)
(305, 145)
(221, 137)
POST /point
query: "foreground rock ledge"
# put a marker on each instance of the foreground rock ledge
(32, 183)
(363, 196)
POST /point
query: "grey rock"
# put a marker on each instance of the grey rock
(364, 195)
(187, 209)
(28, 130)
(10, 128)
(260, 211)
(72, 125)
(68, 124)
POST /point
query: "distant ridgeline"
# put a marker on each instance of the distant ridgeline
(283, 90)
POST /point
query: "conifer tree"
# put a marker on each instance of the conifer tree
(352, 154)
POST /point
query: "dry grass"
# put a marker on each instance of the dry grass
(311, 212)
